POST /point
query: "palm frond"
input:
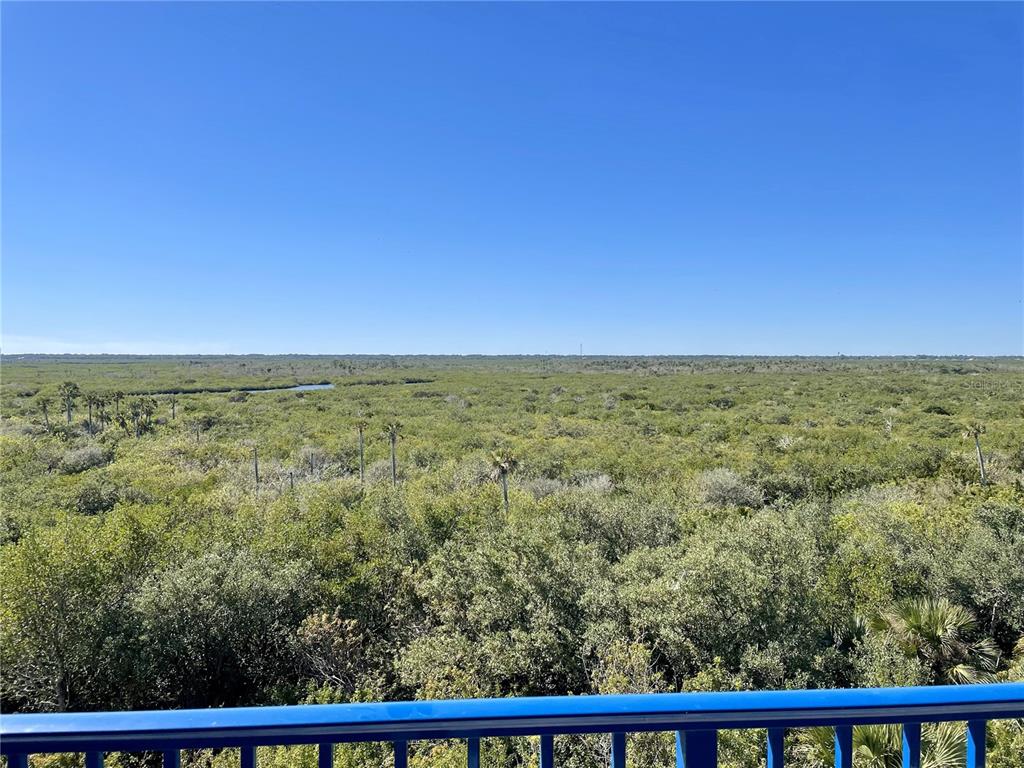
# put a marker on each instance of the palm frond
(878, 746)
(943, 745)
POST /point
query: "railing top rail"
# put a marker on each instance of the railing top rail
(504, 717)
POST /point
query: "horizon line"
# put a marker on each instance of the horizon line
(571, 356)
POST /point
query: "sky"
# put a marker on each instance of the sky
(805, 178)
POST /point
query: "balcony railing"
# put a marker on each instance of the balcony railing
(696, 718)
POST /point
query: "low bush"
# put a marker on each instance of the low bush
(80, 459)
(724, 488)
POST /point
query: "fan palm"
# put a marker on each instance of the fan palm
(937, 632)
(68, 393)
(392, 432)
(44, 402)
(91, 401)
(135, 413)
(503, 463)
(881, 746)
(361, 426)
(140, 411)
(974, 431)
(148, 409)
(878, 746)
(101, 406)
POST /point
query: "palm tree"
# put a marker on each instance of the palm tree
(148, 409)
(91, 400)
(975, 430)
(174, 402)
(44, 402)
(102, 401)
(937, 632)
(135, 413)
(881, 746)
(140, 411)
(68, 393)
(361, 426)
(117, 396)
(392, 432)
(503, 464)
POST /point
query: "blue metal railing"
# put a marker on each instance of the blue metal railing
(695, 717)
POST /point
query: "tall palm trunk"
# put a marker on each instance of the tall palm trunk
(981, 460)
(394, 460)
(362, 461)
(67, 404)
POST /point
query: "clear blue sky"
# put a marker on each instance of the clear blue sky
(810, 178)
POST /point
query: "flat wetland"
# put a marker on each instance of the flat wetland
(673, 523)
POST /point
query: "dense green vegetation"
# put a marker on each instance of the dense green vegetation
(448, 527)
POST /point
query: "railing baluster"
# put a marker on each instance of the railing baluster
(472, 753)
(776, 745)
(93, 760)
(696, 749)
(248, 759)
(844, 746)
(401, 754)
(325, 755)
(547, 751)
(618, 750)
(911, 745)
(976, 744)
(172, 758)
